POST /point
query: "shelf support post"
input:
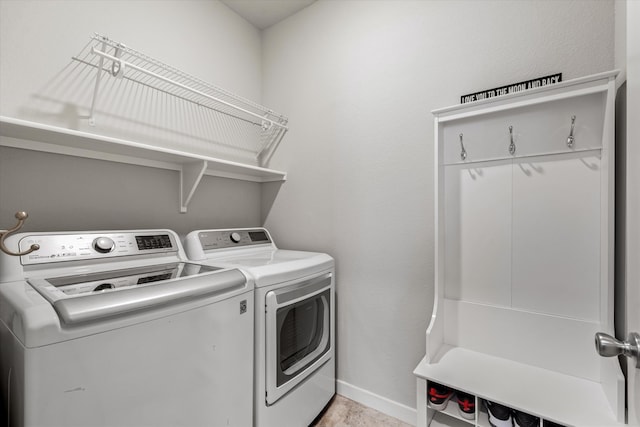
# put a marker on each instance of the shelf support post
(190, 176)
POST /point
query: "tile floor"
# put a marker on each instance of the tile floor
(343, 412)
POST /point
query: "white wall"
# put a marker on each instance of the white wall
(358, 80)
(40, 82)
(203, 38)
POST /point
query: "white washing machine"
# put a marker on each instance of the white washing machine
(295, 321)
(116, 328)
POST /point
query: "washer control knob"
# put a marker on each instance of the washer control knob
(104, 245)
(235, 237)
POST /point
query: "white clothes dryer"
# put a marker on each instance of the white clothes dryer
(295, 320)
(116, 328)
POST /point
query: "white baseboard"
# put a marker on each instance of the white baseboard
(379, 403)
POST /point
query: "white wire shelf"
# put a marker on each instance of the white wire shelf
(231, 119)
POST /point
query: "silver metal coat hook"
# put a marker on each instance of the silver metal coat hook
(463, 152)
(512, 146)
(21, 217)
(570, 138)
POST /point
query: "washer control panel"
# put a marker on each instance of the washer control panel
(73, 247)
(222, 239)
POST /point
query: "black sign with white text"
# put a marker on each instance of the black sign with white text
(512, 88)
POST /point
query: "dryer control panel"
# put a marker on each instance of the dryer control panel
(222, 239)
(73, 247)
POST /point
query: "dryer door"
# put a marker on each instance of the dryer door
(298, 333)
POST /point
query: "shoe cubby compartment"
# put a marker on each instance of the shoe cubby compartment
(524, 255)
(493, 414)
(451, 406)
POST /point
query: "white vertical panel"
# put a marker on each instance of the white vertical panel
(477, 233)
(435, 330)
(556, 235)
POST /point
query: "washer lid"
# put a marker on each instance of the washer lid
(105, 294)
(116, 280)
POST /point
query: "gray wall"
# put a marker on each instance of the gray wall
(39, 82)
(359, 79)
(69, 193)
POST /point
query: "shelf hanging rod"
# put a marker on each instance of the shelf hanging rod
(266, 123)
